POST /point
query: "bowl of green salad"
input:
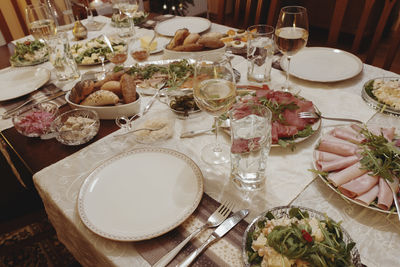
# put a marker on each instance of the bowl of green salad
(29, 53)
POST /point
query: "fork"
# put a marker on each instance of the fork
(314, 115)
(214, 220)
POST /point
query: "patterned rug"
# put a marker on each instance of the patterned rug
(34, 244)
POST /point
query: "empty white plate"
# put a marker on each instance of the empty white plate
(140, 194)
(16, 82)
(323, 64)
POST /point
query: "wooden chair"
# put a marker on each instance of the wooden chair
(248, 8)
(6, 26)
(393, 49)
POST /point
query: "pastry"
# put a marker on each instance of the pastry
(128, 87)
(210, 42)
(191, 38)
(100, 98)
(81, 90)
(113, 86)
(178, 39)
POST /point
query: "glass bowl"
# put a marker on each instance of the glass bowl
(283, 211)
(35, 121)
(76, 127)
(181, 103)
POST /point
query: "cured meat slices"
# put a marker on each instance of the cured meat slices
(339, 154)
(359, 185)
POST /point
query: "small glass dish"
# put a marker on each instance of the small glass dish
(76, 127)
(181, 102)
(35, 121)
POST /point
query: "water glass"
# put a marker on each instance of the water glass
(61, 58)
(260, 52)
(251, 143)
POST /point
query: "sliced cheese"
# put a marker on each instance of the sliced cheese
(145, 40)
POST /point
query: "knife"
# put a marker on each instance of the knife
(224, 228)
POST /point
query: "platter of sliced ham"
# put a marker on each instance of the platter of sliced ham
(339, 159)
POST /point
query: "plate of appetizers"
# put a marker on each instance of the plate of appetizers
(297, 236)
(359, 162)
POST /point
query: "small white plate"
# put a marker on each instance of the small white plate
(161, 43)
(193, 24)
(18, 82)
(140, 194)
(323, 64)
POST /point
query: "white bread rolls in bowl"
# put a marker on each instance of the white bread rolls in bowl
(110, 112)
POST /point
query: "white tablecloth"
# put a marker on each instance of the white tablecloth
(289, 181)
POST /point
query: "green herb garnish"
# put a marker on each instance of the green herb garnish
(379, 156)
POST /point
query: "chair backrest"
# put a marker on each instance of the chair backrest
(249, 5)
(393, 49)
(13, 24)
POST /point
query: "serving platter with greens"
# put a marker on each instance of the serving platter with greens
(121, 21)
(88, 53)
(359, 163)
(292, 236)
(383, 94)
(29, 53)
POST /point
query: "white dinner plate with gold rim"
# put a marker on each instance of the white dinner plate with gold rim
(323, 64)
(140, 194)
(16, 82)
(193, 24)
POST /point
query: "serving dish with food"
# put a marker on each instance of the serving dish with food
(359, 163)
(35, 121)
(120, 20)
(186, 44)
(297, 236)
(112, 97)
(29, 53)
(89, 52)
(287, 128)
(236, 41)
(383, 94)
(76, 127)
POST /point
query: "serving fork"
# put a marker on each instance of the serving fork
(213, 221)
(314, 115)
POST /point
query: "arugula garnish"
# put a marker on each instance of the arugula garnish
(277, 109)
(380, 156)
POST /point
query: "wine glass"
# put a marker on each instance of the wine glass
(92, 24)
(40, 21)
(128, 8)
(291, 35)
(214, 91)
(119, 53)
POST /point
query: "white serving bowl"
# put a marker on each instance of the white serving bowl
(205, 55)
(110, 112)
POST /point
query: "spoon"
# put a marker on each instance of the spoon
(141, 129)
(395, 186)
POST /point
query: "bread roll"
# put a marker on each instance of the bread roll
(113, 76)
(213, 35)
(128, 87)
(101, 98)
(191, 38)
(113, 86)
(210, 42)
(189, 47)
(178, 39)
(81, 90)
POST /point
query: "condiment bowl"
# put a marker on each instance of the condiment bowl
(35, 121)
(76, 127)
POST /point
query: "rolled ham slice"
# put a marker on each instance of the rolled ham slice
(359, 186)
(346, 175)
(338, 164)
(388, 133)
(369, 196)
(348, 134)
(326, 156)
(342, 148)
(385, 196)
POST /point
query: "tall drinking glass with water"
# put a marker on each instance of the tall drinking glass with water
(291, 35)
(214, 91)
(251, 143)
(260, 52)
(40, 21)
(128, 8)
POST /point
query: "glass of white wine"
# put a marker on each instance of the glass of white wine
(214, 91)
(128, 8)
(41, 22)
(291, 35)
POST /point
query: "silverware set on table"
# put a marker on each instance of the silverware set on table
(34, 100)
(218, 218)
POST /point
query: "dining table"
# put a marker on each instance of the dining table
(59, 172)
